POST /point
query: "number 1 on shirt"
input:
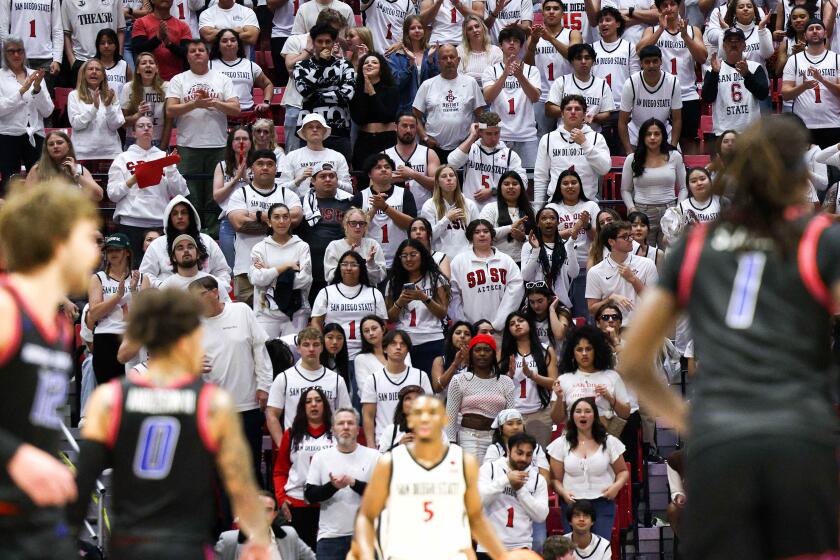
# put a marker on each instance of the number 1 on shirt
(742, 301)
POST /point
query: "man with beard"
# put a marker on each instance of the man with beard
(337, 479)
(424, 498)
(416, 164)
(35, 362)
(513, 494)
(187, 267)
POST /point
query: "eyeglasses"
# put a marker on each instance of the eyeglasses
(349, 265)
(406, 256)
(610, 317)
(531, 285)
(625, 236)
(357, 224)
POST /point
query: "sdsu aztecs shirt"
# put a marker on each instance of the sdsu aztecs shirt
(448, 106)
(201, 128)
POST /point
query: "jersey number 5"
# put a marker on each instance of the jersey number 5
(742, 301)
(428, 511)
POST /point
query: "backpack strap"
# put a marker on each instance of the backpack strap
(693, 248)
(807, 261)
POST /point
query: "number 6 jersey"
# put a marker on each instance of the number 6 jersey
(425, 516)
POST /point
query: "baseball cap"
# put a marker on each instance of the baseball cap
(117, 241)
(734, 32)
(183, 237)
(313, 117)
(321, 166)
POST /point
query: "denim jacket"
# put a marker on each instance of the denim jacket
(406, 77)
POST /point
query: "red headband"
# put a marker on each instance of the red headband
(483, 339)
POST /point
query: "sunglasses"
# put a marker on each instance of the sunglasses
(610, 317)
(531, 285)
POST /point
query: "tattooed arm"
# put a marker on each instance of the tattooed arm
(234, 461)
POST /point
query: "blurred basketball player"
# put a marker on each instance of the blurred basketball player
(47, 240)
(425, 497)
(165, 433)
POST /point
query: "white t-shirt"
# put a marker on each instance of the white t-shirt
(201, 128)
(294, 45)
(338, 514)
(298, 160)
(448, 106)
(587, 478)
(512, 105)
(181, 282)
(383, 389)
(596, 91)
(231, 18)
(603, 280)
(308, 12)
(82, 20)
(513, 12)
(347, 305)
(235, 345)
(282, 21)
(577, 385)
(569, 215)
(155, 100)
(288, 386)
(243, 73)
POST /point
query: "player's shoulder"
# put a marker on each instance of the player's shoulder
(9, 326)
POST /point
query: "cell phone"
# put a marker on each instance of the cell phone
(409, 287)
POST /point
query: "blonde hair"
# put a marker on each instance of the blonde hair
(407, 25)
(346, 219)
(465, 43)
(437, 194)
(85, 95)
(47, 168)
(26, 248)
(137, 95)
(272, 132)
(367, 38)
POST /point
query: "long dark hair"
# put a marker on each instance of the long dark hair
(522, 203)
(449, 349)
(548, 293)
(557, 197)
(729, 18)
(367, 347)
(111, 34)
(599, 432)
(231, 158)
(768, 166)
(364, 279)
(300, 424)
(428, 267)
(539, 353)
(339, 362)
(216, 47)
(386, 78)
(811, 9)
(192, 230)
(400, 419)
(640, 155)
(604, 358)
(551, 267)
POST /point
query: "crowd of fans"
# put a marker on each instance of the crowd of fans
(413, 206)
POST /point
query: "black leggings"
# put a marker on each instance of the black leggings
(105, 364)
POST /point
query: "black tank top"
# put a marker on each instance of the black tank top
(34, 373)
(164, 462)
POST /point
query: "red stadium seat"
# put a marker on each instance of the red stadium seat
(705, 129)
(359, 20)
(700, 160)
(259, 96)
(611, 186)
(776, 94)
(60, 101)
(554, 521)
(280, 132)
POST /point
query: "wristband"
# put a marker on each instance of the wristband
(630, 11)
(259, 215)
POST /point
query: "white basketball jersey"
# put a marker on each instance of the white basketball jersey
(419, 161)
(595, 91)
(517, 111)
(651, 102)
(818, 107)
(483, 169)
(574, 17)
(615, 62)
(677, 60)
(346, 306)
(301, 455)
(753, 47)
(297, 382)
(181, 9)
(425, 516)
(550, 62)
(513, 12)
(381, 227)
(511, 522)
(447, 25)
(116, 77)
(32, 22)
(735, 106)
(114, 322)
(416, 319)
(243, 73)
(706, 212)
(387, 389)
(527, 395)
(385, 18)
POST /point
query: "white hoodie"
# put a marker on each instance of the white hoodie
(142, 207)
(558, 152)
(271, 254)
(157, 264)
(485, 288)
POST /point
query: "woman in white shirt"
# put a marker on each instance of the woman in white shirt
(117, 71)
(264, 137)
(450, 212)
(227, 56)
(95, 114)
(577, 220)
(355, 239)
(398, 433)
(58, 161)
(230, 174)
(372, 357)
(281, 265)
(477, 50)
(650, 175)
(548, 258)
(512, 215)
(421, 230)
(588, 463)
(144, 96)
(23, 106)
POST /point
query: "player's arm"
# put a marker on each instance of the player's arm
(652, 321)
(481, 529)
(234, 462)
(373, 502)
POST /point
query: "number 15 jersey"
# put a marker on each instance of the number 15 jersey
(425, 516)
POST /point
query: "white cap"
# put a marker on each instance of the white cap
(313, 117)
